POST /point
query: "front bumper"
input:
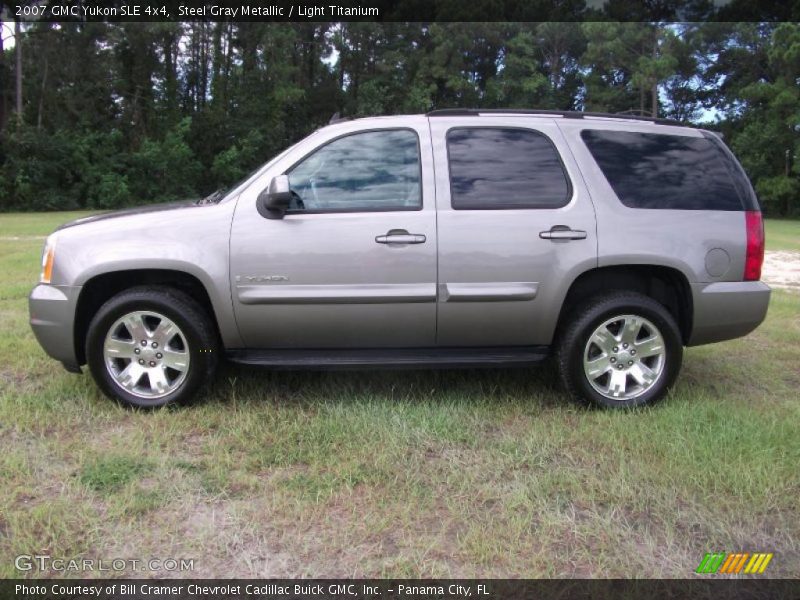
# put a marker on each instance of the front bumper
(52, 317)
(727, 309)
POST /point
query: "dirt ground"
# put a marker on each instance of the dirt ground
(782, 269)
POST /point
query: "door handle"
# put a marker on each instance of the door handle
(400, 236)
(562, 232)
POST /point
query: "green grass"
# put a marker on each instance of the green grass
(782, 234)
(36, 224)
(440, 473)
(109, 473)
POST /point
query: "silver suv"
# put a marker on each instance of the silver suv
(456, 238)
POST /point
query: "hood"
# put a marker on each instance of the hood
(140, 210)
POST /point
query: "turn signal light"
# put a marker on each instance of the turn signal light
(47, 261)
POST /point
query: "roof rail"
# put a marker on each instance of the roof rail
(567, 114)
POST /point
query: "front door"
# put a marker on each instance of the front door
(353, 262)
(516, 226)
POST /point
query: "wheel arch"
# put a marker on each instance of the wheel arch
(666, 285)
(97, 290)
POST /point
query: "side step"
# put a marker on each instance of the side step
(392, 358)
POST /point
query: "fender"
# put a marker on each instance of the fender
(193, 241)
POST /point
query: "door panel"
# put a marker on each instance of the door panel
(338, 278)
(503, 273)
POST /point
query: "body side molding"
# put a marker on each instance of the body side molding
(503, 291)
(337, 294)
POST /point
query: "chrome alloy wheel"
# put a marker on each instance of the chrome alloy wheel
(146, 354)
(624, 357)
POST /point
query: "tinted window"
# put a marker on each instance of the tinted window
(375, 170)
(648, 170)
(739, 177)
(504, 168)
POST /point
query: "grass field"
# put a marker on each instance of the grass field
(782, 235)
(450, 473)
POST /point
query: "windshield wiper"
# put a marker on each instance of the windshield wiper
(213, 197)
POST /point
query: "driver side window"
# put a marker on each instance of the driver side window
(370, 171)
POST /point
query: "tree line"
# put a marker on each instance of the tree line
(106, 115)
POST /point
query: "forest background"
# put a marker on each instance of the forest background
(100, 115)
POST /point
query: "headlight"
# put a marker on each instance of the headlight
(48, 257)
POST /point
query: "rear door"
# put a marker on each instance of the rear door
(516, 226)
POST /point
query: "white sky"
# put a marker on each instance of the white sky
(8, 34)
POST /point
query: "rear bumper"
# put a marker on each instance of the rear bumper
(52, 318)
(726, 310)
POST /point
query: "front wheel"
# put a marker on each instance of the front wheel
(149, 347)
(620, 350)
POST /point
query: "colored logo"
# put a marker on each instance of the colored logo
(734, 563)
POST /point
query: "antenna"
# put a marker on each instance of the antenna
(336, 118)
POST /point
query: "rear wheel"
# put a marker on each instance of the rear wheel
(151, 347)
(620, 350)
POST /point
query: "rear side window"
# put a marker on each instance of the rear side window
(496, 168)
(739, 177)
(648, 170)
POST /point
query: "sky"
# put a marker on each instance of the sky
(8, 34)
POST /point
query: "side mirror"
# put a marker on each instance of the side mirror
(273, 201)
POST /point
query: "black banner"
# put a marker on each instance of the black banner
(410, 589)
(401, 10)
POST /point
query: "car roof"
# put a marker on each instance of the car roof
(571, 119)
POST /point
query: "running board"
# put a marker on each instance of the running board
(391, 358)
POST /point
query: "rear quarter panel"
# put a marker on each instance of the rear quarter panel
(681, 239)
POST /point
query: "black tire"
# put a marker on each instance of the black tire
(592, 314)
(194, 323)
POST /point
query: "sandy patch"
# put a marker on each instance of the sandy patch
(782, 269)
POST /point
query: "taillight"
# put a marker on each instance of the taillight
(755, 245)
